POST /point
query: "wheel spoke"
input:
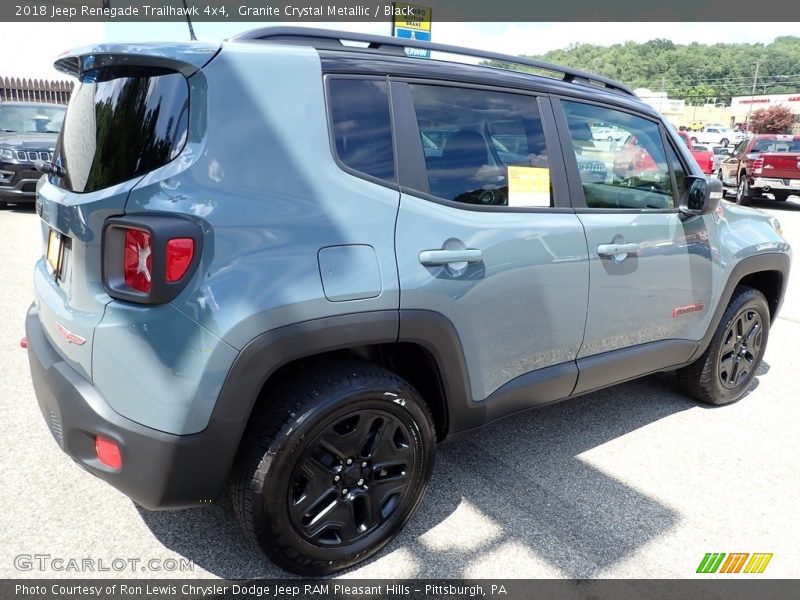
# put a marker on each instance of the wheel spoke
(754, 329)
(733, 373)
(394, 446)
(726, 366)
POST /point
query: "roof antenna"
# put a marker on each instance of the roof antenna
(192, 36)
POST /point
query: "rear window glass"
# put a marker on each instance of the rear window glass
(362, 128)
(121, 124)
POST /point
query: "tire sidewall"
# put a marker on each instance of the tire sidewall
(270, 506)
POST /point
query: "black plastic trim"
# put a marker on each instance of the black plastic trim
(770, 261)
(610, 368)
(159, 470)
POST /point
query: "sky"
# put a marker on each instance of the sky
(51, 39)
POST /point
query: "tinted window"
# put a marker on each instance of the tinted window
(120, 124)
(482, 147)
(30, 119)
(362, 129)
(629, 174)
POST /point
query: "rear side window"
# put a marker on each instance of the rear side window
(362, 129)
(121, 123)
(483, 147)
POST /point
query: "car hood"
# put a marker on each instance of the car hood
(28, 140)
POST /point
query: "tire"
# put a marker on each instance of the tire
(780, 195)
(694, 140)
(719, 176)
(743, 195)
(293, 491)
(724, 142)
(725, 370)
(3, 205)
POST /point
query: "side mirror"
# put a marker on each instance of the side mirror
(700, 195)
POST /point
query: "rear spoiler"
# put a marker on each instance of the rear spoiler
(184, 57)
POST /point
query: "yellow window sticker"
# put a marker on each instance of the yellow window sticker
(528, 186)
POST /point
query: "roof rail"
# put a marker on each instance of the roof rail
(333, 39)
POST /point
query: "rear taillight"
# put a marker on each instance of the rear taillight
(149, 258)
(179, 256)
(758, 166)
(138, 260)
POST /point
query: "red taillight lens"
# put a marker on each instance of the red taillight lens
(108, 452)
(179, 256)
(758, 166)
(138, 260)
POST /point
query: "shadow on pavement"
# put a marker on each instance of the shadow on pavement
(522, 476)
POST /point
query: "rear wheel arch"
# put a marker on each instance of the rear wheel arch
(420, 346)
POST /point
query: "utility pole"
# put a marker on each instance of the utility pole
(752, 93)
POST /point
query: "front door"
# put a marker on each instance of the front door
(650, 266)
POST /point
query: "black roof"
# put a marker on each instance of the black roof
(326, 40)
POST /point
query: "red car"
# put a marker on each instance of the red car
(704, 158)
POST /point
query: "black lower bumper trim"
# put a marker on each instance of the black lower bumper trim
(159, 470)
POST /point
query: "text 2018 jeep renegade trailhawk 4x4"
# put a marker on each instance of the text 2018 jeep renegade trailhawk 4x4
(292, 266)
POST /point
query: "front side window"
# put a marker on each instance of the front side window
(482, 147)
(631, 173)
(121, 123)
(361, 124)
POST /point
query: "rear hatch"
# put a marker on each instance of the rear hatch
(128, 115)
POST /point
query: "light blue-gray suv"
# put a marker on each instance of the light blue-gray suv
(289, 267)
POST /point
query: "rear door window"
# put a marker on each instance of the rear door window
(121, 123)
(482, 147)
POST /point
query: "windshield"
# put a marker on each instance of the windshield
(31, 119)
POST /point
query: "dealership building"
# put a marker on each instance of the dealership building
(743, 106)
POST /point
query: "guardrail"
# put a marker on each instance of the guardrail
(20, 89)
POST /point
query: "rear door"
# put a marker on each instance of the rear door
(485, 235)
(650, 266)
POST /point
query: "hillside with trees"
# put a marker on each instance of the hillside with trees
(698, 73)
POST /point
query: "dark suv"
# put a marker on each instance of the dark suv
(27, 133)
(292, 266)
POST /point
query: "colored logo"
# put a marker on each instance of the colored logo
(741, 562)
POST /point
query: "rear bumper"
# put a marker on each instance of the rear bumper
(159, 470)
(774, 184)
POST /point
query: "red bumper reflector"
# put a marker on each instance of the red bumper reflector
(108, 452)
(23, 343)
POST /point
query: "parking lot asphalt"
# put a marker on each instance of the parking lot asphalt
(633, 481)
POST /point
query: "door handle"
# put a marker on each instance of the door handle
(431, 258)
(617, 250)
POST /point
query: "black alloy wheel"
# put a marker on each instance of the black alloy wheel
(741, 349)
(352, 477)
(725, 370)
